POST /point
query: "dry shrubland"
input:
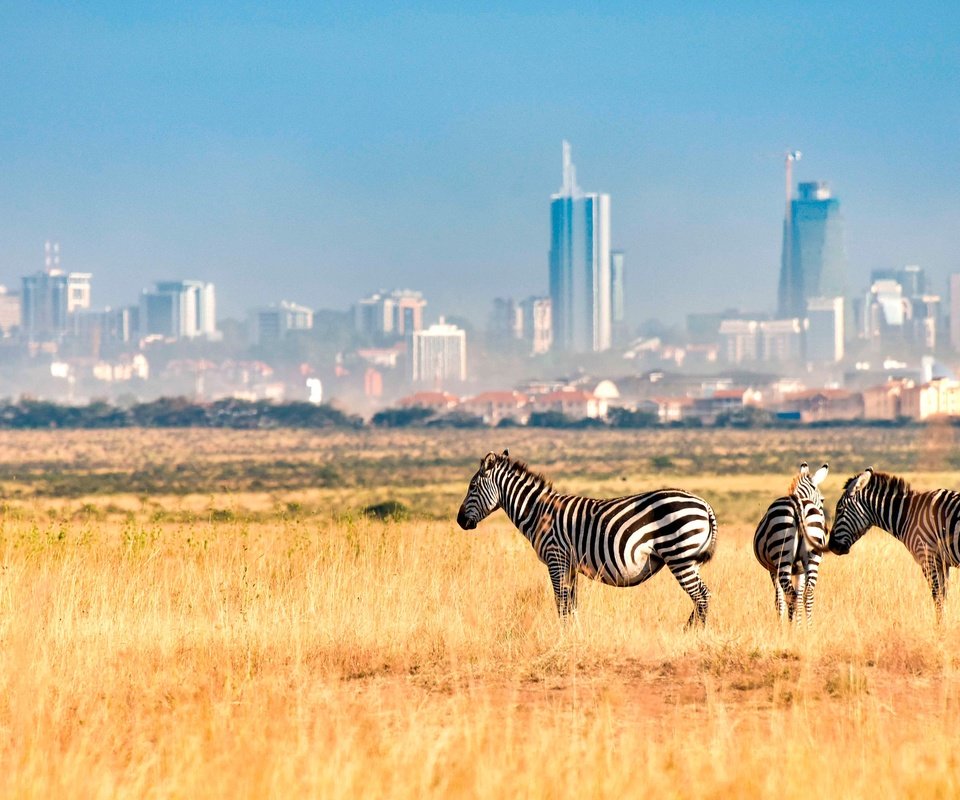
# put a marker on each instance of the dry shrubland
(245, 642)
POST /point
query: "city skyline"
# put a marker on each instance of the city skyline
(267, 151)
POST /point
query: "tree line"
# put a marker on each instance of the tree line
(181, 412)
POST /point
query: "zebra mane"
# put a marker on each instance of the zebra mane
(883, 480)
(794, 484)
(519, 467)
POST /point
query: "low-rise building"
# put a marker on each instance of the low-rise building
(492, 407)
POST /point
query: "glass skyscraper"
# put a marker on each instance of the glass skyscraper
(814, 260)
(580, 290)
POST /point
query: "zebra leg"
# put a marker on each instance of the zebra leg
(778, 597)
(798, 597)
(687, 574)
(936, 573)
(813, 574)
(785, 579)
(564, 582)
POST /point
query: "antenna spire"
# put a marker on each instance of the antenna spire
(569, 188)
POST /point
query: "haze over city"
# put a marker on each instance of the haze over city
(290, 152)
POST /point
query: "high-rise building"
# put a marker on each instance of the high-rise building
(179, 310)
(9, 311)
(48, 298)
(438, 355)
(955, 311)
(739, 340)
(506, 321)
(397, 313)
(781, 340)
(814, 257)
(538, 324)
(579, 265)
(273, 323)
(618, 314)
(825, 329)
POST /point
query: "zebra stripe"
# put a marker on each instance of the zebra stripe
(620, 542)
(790, 540)
(928, 523)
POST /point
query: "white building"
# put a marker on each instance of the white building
(955, 311)
(397, 313)
(179, 310)
(825, 329)
(272, 323)
(438, 355)
(739, 342)
(781, 340)
(9, 311)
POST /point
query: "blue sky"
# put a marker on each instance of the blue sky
(316, 155)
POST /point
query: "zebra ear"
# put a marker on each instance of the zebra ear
(506, 453)
(804, 469)
(488, 461)
(821, 475)
(862, 480)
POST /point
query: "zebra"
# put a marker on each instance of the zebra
(928, 523)
(620, 542)
(790, 541)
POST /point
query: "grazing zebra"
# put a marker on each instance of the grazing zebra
(790, 541)
(928, 523)
(620, 542)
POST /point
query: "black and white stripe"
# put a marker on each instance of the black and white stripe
(620, 542)
(790, 540)
(928, 523)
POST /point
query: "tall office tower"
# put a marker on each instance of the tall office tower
(618, 318)
(178, 310)
(825, 331)
(814, 260)
(50, 296)
(579, 265)
(438, 355)
(538, 324)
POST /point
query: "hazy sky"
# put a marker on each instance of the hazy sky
(290, 153)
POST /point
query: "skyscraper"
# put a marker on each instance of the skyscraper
(814, 258)
(178, 310)
(48, 298)
(579, 265)
(618, 319)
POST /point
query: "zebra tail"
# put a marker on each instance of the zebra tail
(812, 543)
(707, 553)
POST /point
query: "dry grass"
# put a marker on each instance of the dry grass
(230, 646)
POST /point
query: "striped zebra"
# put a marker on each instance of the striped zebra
(928, 523)
(620, 542)
(790, 541)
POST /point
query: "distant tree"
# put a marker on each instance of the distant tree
(401, 417)
(457, 419)
(625, 418)
(549, 419)
(170, 412)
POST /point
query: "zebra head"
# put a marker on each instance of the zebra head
(853, 517)
(483, 494)
(807, 486)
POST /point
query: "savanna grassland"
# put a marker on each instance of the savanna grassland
(209, 613)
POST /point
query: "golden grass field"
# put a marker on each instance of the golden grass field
(240, 638)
